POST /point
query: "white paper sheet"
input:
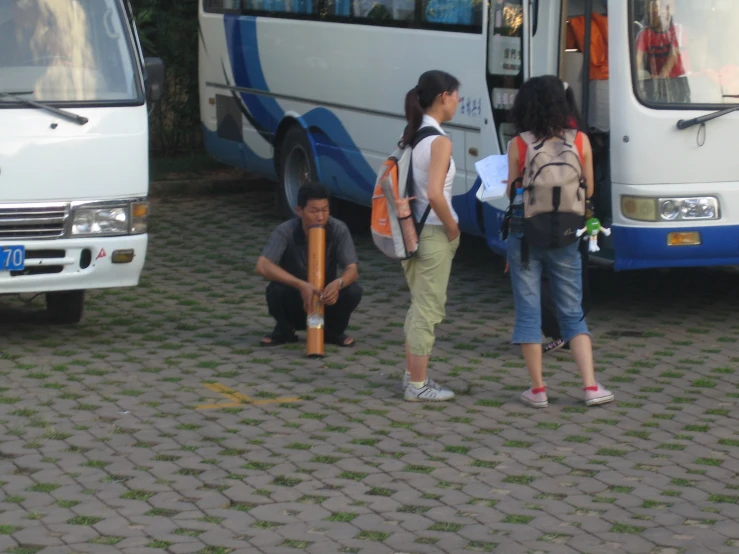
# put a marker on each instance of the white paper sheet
(492, 170)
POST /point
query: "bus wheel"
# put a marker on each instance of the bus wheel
(297, 168)
(65, 307)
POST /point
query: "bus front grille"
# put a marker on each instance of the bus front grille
(32, 221)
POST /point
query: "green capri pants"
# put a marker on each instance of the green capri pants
(427, 274)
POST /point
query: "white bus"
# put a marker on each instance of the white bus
(74, 168)
(313, 89)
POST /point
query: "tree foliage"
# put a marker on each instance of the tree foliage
(169, 29)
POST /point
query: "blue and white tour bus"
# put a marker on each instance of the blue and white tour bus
(313, 89)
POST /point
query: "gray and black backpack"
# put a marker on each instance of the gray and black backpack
(554, 190)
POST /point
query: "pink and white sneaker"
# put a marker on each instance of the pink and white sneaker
(598, 395)
(536, 398)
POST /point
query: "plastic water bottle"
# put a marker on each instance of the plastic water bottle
(516, 224)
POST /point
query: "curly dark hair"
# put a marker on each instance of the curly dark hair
(541, 107)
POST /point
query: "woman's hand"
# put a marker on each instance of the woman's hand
(453, 233)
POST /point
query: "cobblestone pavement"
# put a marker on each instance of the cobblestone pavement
(159, 424)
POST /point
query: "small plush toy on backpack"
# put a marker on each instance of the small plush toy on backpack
(592, 229)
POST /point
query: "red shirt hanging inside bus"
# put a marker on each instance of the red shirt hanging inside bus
(657, 46)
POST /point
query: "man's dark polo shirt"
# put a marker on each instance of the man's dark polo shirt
(288, 248)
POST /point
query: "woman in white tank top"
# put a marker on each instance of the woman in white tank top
(429, 104)
(421, 166)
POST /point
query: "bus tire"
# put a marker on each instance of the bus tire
(297, 167)
(65, 307)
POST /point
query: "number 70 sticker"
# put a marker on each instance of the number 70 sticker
(12, 258)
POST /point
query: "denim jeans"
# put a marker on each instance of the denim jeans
(563, 267)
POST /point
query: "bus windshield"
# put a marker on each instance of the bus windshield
(66, 51)
(686, 51)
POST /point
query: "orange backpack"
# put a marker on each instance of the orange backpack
(394, 230)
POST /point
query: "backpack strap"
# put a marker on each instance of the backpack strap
(523, 146)
(424, 217)
(423, 133)
(523, 142)
(540, 144)
(527, 142)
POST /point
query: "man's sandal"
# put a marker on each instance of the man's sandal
(275, 338)
(340, 340)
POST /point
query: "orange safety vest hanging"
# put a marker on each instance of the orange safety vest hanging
(598, 42)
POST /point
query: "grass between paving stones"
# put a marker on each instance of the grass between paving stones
(378, 536)
(479, 546)
(128, 383)
(518, 519)
(215, 550)
(300, 545)
(85, 520)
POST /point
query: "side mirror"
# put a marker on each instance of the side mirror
(154, 74)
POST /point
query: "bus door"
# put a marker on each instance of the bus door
(507, 66)
(585, 67)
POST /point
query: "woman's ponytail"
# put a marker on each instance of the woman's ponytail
(413, 115)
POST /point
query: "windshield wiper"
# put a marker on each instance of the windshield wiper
(41, 106)
(686, 123)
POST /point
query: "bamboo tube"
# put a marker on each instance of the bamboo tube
(316, 277)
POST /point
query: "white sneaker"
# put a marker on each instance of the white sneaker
(430, 392)
(407, 379)
(599, 396)
(538, 400)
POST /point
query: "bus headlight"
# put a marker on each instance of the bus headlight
(100, 221)
(699, 208)
(639, 208)
(670, 209)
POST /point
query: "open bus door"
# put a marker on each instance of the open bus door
(508, 65)
(584, 65)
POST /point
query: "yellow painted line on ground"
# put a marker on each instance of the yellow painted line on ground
(218, 406)
(228, 393)
(238, 399)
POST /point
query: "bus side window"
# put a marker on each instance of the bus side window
(283, 6)
(451, 12)
(341, 8)
(384, 10)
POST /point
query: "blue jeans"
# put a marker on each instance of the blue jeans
(563, 267)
